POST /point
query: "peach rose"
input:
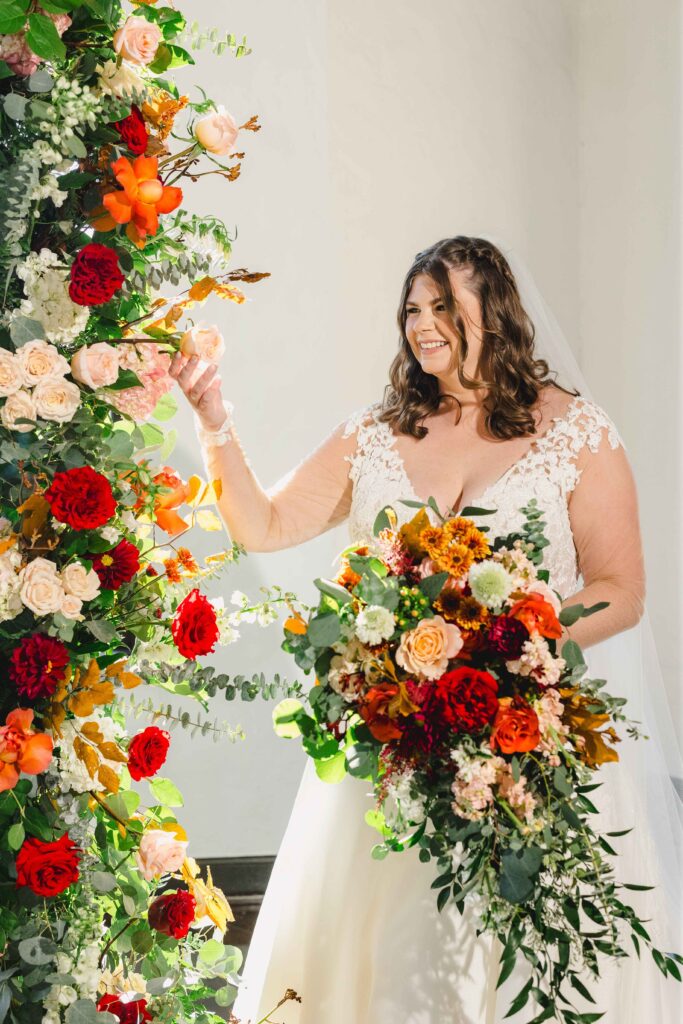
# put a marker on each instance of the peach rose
(11, 377)
(57, 400)
(20, 405)
(428, 567)
(96, 365)
(80, 582)
(426, 650)
(41, 362)
(203, 340)
(217, 131)
(71, 607)
(138, 40)
(22, 749)
(159, 853)
(40, 587)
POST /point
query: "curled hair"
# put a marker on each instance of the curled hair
(507, 367)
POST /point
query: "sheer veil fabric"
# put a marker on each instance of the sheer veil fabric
(361, 940)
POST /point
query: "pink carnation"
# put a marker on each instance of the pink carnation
(151, 367)
(18, 55)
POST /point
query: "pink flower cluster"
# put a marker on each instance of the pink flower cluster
(16, 52)
(151, 367)
(474, 784)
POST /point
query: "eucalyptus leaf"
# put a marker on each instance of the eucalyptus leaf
(41, 80)
(103, 881)
(323, 630)
(102, 630)
(84, 1011)
(22, 329)
(37, 950)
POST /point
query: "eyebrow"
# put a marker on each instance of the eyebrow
(439, 299)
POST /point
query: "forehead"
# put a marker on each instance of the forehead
(425, 287)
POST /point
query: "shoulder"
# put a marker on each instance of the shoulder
(591, 426)
(361, 420)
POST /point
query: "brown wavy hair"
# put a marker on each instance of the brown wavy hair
(507, 365)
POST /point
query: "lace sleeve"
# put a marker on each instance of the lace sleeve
(604, 516)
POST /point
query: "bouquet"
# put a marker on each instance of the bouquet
(438, 678)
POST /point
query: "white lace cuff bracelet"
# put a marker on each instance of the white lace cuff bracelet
(220, 436)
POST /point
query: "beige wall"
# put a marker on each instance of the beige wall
(383, 131)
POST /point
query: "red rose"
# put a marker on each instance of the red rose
(133, 132)
(194, 626)
(47, 868)
(147, 752)
(95, 275)
(173, 913)
(133, 1011)
(374, 710)
(116, 566)
(506, 636)
(467, 698)
(82, 498)
(37, 665)
(515, 729)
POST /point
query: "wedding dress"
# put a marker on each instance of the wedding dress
(361, 940)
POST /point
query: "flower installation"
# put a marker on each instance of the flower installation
(439, 681)
(105, 915)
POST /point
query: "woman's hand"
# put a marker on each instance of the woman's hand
(203, 392)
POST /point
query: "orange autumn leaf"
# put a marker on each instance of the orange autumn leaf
(85, 753)
(92, 732)
(594, 748)
(109, 779)
(8, 542)
(206, 286)
(296, 624)
(129, 680)
(35, 511)
(409, 533)
(112, 751)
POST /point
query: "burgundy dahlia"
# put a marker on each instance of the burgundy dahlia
(466, 698)
(506, 637)
(37, 665)
(117, 566)
(95, 275)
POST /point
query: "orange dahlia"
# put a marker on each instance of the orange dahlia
(142, 198)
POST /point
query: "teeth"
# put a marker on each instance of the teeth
(425, 346)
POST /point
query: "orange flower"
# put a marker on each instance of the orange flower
(376, 711)
(537, 615)
(515, 727)
(143, 198)
(172, 570)
(165, 504)
(22, 749)
(187, 560)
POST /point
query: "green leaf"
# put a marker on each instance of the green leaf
(166, 792)
(382, 522)
(41, 80)
(166, 408)
(572, 654)
(506, 970)
(16, 836)
(323, 630)
(433, 585)
(103, 881)
(43, 38)
(442, 898)
(12, 18)
(102, 630)
(23, 329)
(142, 940)
(284, 718)
(335, 590)
(560, 781)
(520, 999)
(211, 951)
(332, 769)
(37, 950)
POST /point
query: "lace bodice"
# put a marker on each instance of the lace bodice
(547, 471)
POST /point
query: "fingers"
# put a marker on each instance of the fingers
(200, 385)
(183, 370)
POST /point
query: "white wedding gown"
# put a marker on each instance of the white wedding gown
(361, 940)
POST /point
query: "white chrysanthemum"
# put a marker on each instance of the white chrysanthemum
(490, 583)
(374, 624)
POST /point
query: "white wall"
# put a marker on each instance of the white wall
(383, 131)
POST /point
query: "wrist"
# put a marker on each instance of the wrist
(210, 434)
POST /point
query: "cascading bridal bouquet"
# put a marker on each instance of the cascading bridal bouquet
(438, 679)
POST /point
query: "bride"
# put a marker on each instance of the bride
(472, 417)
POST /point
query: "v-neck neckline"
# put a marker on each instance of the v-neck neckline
(533, 447)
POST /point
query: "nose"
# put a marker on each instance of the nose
(424, 320)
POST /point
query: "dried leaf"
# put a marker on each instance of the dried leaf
(87, 754)
(92, 732)
(35, 511)
(108, 777)
(112, 752)
(589, 728)
(129, 680)
(410, 533)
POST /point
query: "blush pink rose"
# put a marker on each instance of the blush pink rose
(96, 365)
(159, 853)
(203, 340)
(217, 131)
(138, 40)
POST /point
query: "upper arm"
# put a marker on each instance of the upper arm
(605, 521)
(315, 495)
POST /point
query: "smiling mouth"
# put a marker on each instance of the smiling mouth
(431, 346)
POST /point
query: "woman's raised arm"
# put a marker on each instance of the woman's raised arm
(311, 498)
